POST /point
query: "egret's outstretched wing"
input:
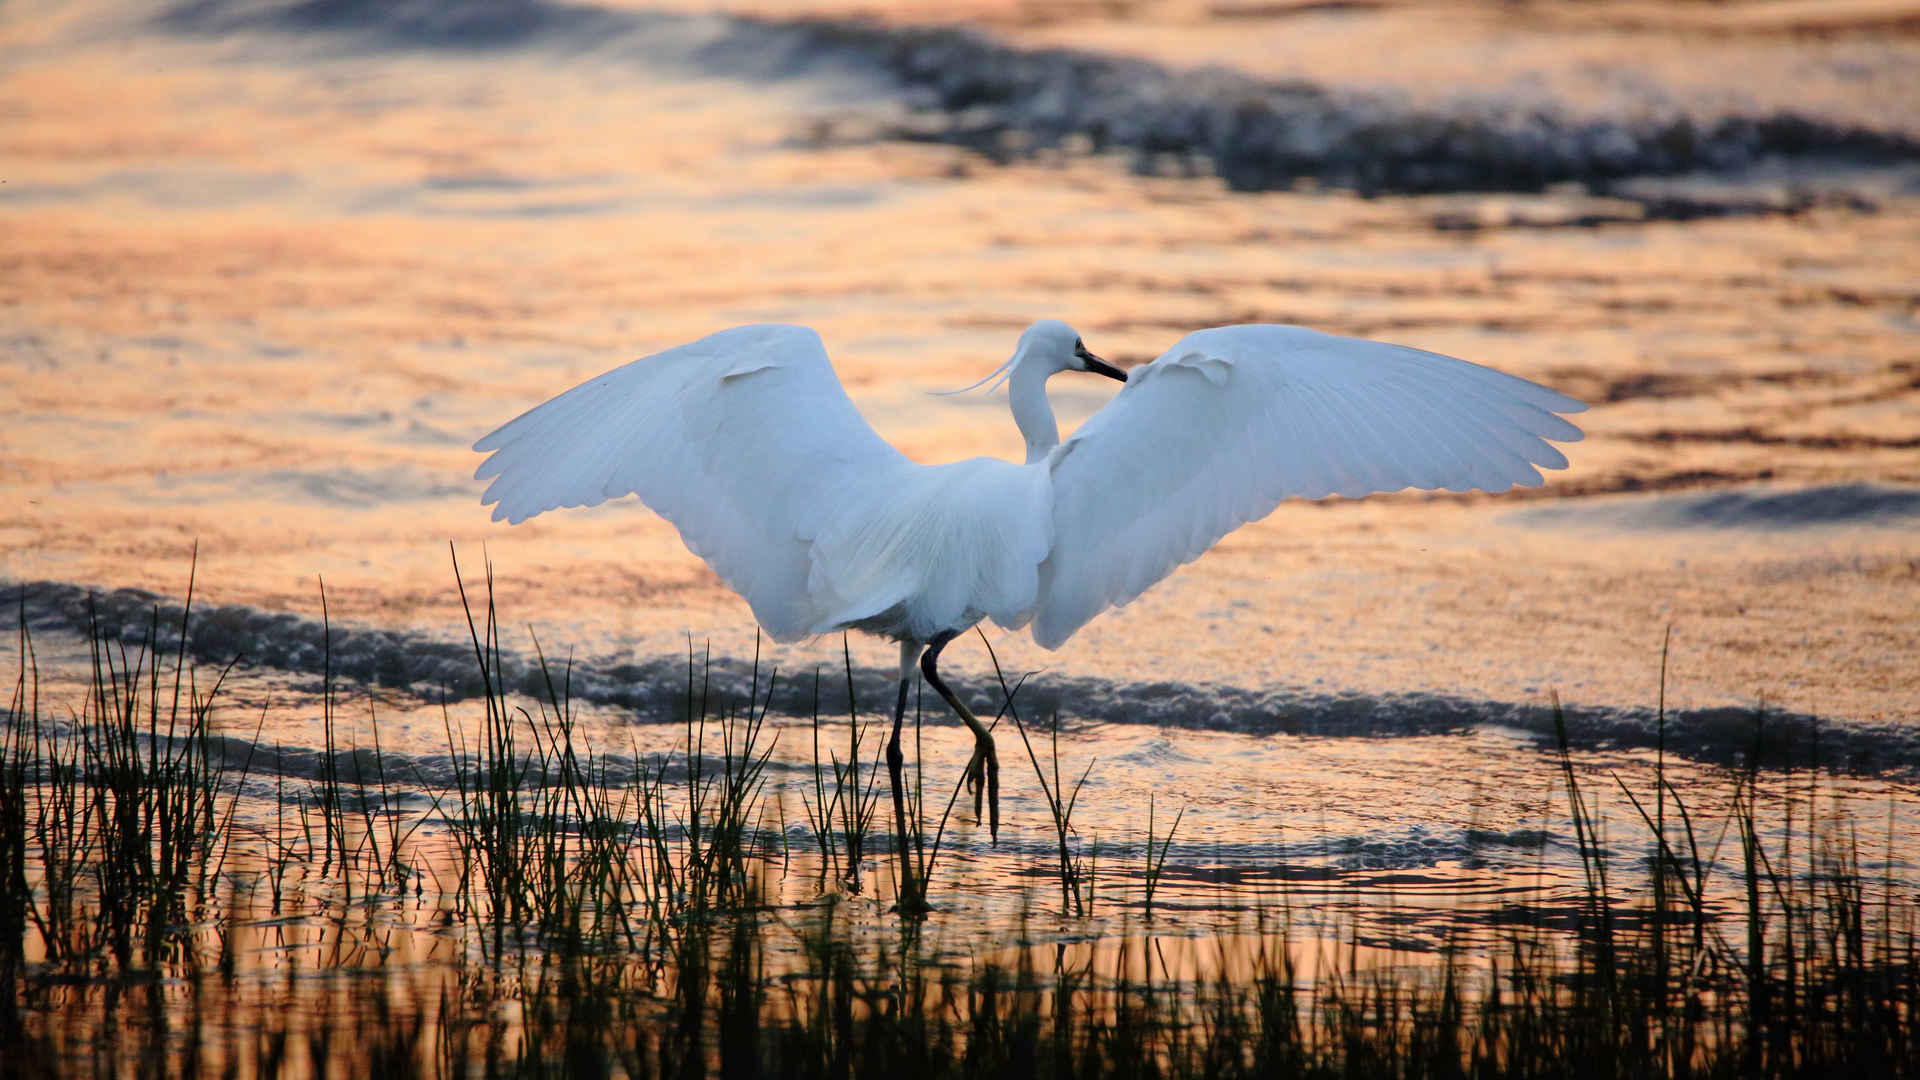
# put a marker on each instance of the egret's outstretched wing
(1230, 421)
(742, 439)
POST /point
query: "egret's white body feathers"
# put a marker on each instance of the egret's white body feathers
(931, 548)
(746, 441)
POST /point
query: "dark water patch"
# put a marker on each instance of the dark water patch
(418, 433)
(397, 778)
(968, 88)
(803, 197)
(1899, 379)
(1599, 387)
(1564, 490)
(463, 24)
(1658, 385)
(480, 181)
(1526, 839)
(337, 487)
(1636, 483)
(347, 421)
(1764, 509)
(540, 208)
(24, 346)
(183, 188)
(527, 199)
(1754, 436)
(655, 689)
(1693, 197)
(1409, 859)
(1644, 199)
(386, 780)
(1290, 8)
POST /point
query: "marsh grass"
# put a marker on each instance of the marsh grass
(846, 812)
(558, 910)
(1157, 861)
(1074, 871)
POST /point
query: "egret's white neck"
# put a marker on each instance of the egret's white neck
(1027, 394)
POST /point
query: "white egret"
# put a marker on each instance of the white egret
(746, 441)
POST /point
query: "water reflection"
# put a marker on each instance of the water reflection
(261, 292)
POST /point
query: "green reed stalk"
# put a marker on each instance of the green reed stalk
(1157, 862)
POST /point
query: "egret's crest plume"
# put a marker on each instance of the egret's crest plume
(996, 377)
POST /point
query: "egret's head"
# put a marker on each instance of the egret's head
(1057, 347)
(1049, 347)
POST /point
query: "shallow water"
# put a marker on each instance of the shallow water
(261, 289)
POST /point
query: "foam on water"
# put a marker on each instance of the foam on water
(653, 689)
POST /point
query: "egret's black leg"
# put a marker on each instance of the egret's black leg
(912, 900)
(985, 765)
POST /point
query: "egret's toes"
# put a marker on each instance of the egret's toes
(983, 780)
(977, 778)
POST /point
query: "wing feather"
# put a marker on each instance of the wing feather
(742, 440)
(1233, 420)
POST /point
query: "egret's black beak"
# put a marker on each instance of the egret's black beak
(1097, 365)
